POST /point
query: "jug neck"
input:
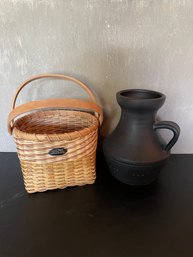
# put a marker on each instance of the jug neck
(145, 117)
(139, 106)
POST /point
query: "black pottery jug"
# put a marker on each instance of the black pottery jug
(134, 151)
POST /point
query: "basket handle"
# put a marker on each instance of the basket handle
(58, 76)
(54, 104)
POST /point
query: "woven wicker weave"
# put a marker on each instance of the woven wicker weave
(54, 124)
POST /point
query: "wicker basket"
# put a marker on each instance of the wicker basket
(56, 139)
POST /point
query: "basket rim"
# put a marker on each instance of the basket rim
(19, 134)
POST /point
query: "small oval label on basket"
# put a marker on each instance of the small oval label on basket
(57, 151)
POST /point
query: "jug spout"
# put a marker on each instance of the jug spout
(140, 100)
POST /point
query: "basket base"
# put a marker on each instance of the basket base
(59, 175)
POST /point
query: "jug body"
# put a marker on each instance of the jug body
(134, 151)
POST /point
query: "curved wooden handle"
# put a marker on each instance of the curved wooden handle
(58, 76)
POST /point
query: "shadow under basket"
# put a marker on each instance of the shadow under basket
(56, 139)
(56, 149)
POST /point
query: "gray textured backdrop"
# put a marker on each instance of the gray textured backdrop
(110, 45)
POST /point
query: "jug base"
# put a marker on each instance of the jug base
(134, 174)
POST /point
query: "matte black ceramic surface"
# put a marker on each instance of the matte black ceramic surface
(134, 152)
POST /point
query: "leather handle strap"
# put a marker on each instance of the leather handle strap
(57, 76)
(54, 104)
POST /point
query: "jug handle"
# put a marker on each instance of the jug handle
(171, 126)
